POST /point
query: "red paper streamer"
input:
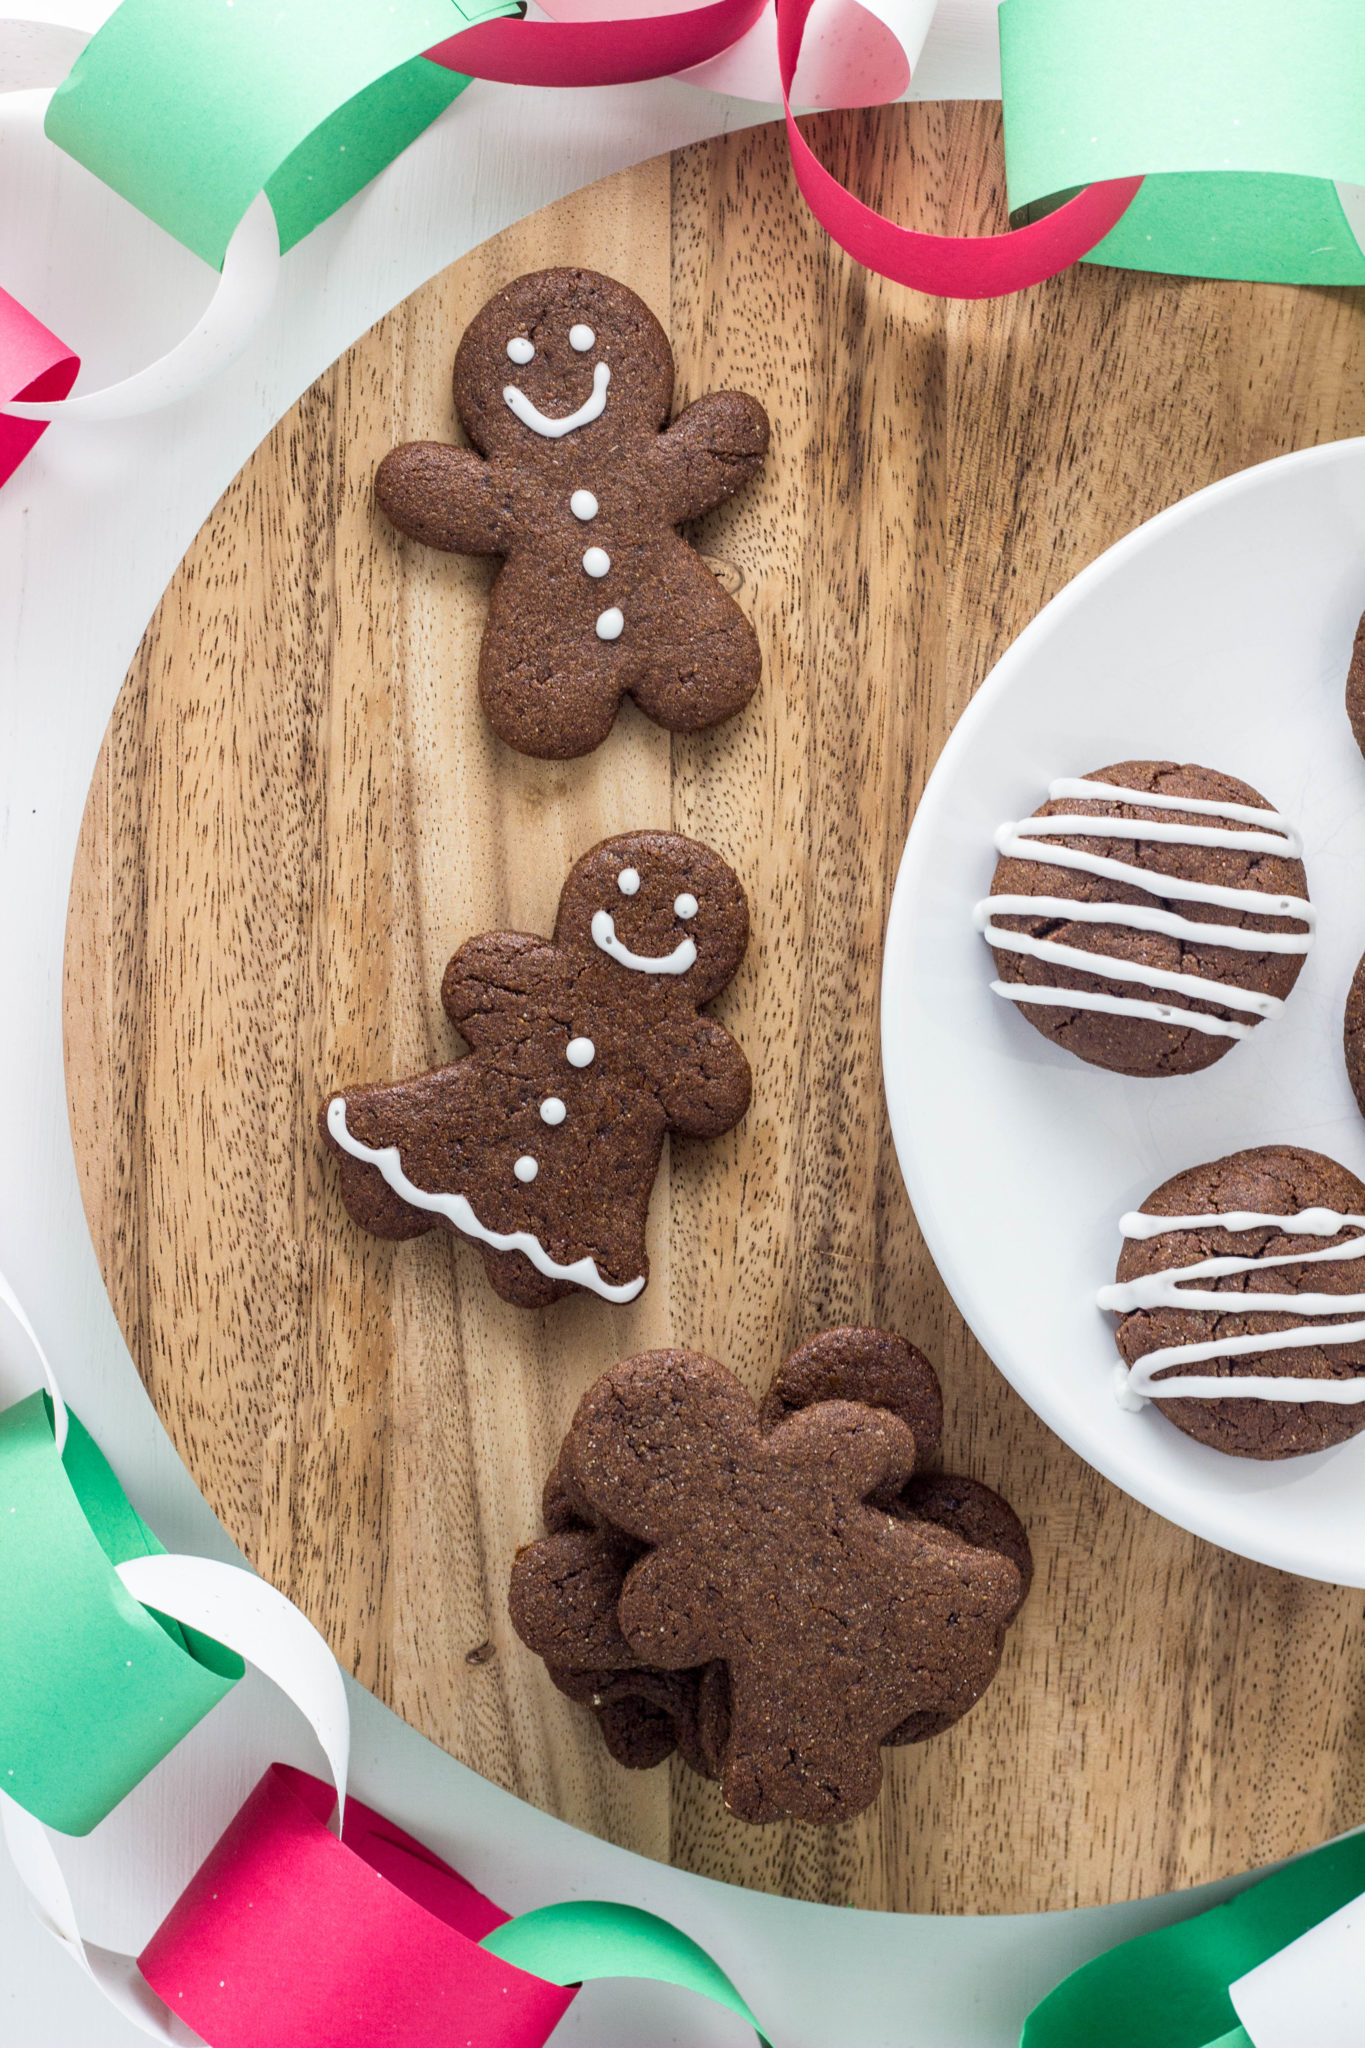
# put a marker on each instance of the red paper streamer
(625, 51)
(622, 52)
(33, 364)
(288, 1935)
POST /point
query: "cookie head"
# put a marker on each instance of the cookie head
(562, 357)
(658, 905)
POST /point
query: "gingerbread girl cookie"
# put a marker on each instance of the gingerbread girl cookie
(564, 383)
(541, 1147)
(820, 1601)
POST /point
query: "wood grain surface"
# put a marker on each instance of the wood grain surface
(299, 813)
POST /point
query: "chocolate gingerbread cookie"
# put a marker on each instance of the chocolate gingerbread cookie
(563, 384)
(1246, 1275)
(750, 1548)
(1160, 928)
(541, 1147)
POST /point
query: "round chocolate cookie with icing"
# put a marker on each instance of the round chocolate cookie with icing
(1148, 916)
(1240, 1295)
(1355, 687)
(1354, 1035)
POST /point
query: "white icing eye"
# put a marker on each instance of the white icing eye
(580, 1052)
(610, 624)
(520, 349)
(552, 1110)
(684, 906)
(526, 1168)
(583, 505)
(628, 881)
(596, 561)
(581, 337)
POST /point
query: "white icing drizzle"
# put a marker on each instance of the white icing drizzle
(520, 350)
(526, 1168)
(1028, 839)
(1169, 1288)
(596, 562)
(592, 407)
(1119, 1006)
(682, 957)
(685, 905)
(628, 881)
(583, 1272)
(610, 623)
(581, 337)
(583, 505)
(580, 1052)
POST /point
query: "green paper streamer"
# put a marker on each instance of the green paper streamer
(588, 1938)
(1169, 1989)
(189, 108)
(98, 1689)
(1242, 114)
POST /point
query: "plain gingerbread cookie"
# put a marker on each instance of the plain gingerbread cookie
(542, 1146)
(1241, 1264)
(563, 384)
(697, 1534)
(1165, 933)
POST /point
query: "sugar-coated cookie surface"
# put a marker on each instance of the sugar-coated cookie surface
(821, 1598)
(541, 1147)
(1168, 924)
(564, 384)
(1237, 1275)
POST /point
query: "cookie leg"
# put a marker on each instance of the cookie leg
(513, 1276)
(368, 1198)
(697, 658)
(552, 692)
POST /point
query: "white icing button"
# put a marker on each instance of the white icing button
(526, 1168)
(520, 349)
(597, 562)
(579, 1052)
(628, 881)
(684, 906)
(581, 337)
(552, 1110)
(610, 624)
(583, 505)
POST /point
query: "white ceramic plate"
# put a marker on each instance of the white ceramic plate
(1219, 633)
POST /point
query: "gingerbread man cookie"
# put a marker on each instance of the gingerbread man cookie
(692, 1533)
(564, 383)
(541, 1147)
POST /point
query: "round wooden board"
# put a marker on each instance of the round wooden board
(299, 813)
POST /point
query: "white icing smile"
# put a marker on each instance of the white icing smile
(583, 1272)
(592, 408)
(682, 957)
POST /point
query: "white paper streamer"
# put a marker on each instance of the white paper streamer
(1311, 1992)
(116, 1975)
(16, 1309)
(247, 1615)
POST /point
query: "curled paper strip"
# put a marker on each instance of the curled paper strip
(96, 1690)
(240, 303)
(287, 1933)
(33, 365)
(1175, 1988)
(1244, 115)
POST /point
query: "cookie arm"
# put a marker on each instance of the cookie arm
(496, 981)
(444, 496)
(709, 452)
(706, 1084)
